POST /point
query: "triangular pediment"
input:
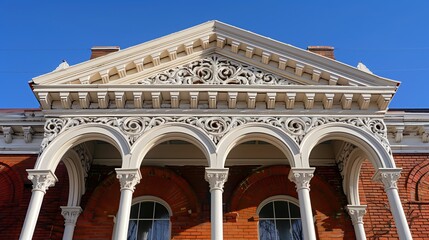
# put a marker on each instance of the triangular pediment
(213, 37)
(209, 63)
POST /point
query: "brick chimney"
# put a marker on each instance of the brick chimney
(326, 51)
(98, 51)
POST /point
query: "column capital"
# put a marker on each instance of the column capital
(301, 177)
(128, 178)
(216, 177)
(41, 179)
(70, 214)
(388, 176)
(356, 212)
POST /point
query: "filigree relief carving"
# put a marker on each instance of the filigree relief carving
(86, 158)
(216, 178)
(215, 127)
(217, 70)
(344, 157)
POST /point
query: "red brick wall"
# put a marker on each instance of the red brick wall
(185, 190)
(413, 190)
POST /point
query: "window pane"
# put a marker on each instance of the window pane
(161, 230)
(144, 230)
(284, 230)
(294, 211)
(146, 210)
(132, 230)
(267, 211)
(267, 230)
(161, 212)
(281, 209)
(297, 229)
(135, 211)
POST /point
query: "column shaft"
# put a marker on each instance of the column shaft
(389, 177)
(42, 180)
(301, 177)
(128, 179)
(357, 213)
(216, 179)
(70, 215)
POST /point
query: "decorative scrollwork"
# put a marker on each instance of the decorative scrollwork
(217, 70)
(215, 127)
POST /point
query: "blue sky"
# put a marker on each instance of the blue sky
(390, 37)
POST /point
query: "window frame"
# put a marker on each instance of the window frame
(154, 199)
(273, 199)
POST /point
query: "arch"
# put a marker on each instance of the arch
(255, 131)
(170, 131)
(53, 153)
(374, 150)
(76, 177)
(150, 198)
(277, 198)
(351, 174)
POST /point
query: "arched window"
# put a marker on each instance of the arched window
(279, 219)
(149, 219)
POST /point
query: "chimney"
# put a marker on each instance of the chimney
(326, 51)
(98, 51)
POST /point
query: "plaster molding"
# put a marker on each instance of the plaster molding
(128, 178)
(388, 176)
(216, 70)
(356, 212)
(343, 157)
(301, 177)
(86, 158)
(41, 179)
(216, 178)
(70, 214)
(215, 127)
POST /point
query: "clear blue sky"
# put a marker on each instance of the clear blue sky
(390, 37)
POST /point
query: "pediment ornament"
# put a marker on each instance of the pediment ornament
(216, 70)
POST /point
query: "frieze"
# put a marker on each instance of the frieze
(215, 127)
(216, 70)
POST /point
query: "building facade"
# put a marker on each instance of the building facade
(214, 132)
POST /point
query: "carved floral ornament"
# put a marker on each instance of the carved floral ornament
(216, 70)
(215, 127)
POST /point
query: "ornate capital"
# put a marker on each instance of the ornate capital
(42, 179)
(356, 212)
(216, 178)
(128, 178)
(70, 214)
(301, 177)
(387, 176)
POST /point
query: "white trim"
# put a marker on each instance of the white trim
(277, 198)
(150, 198)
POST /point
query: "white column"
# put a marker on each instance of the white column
(389, 177)
(216, 179)
(70, 215)
(356, 213)
(301, 177)
(42, 180)
(128, 178)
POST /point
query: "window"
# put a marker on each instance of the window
(149, 220)
(279, 219)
